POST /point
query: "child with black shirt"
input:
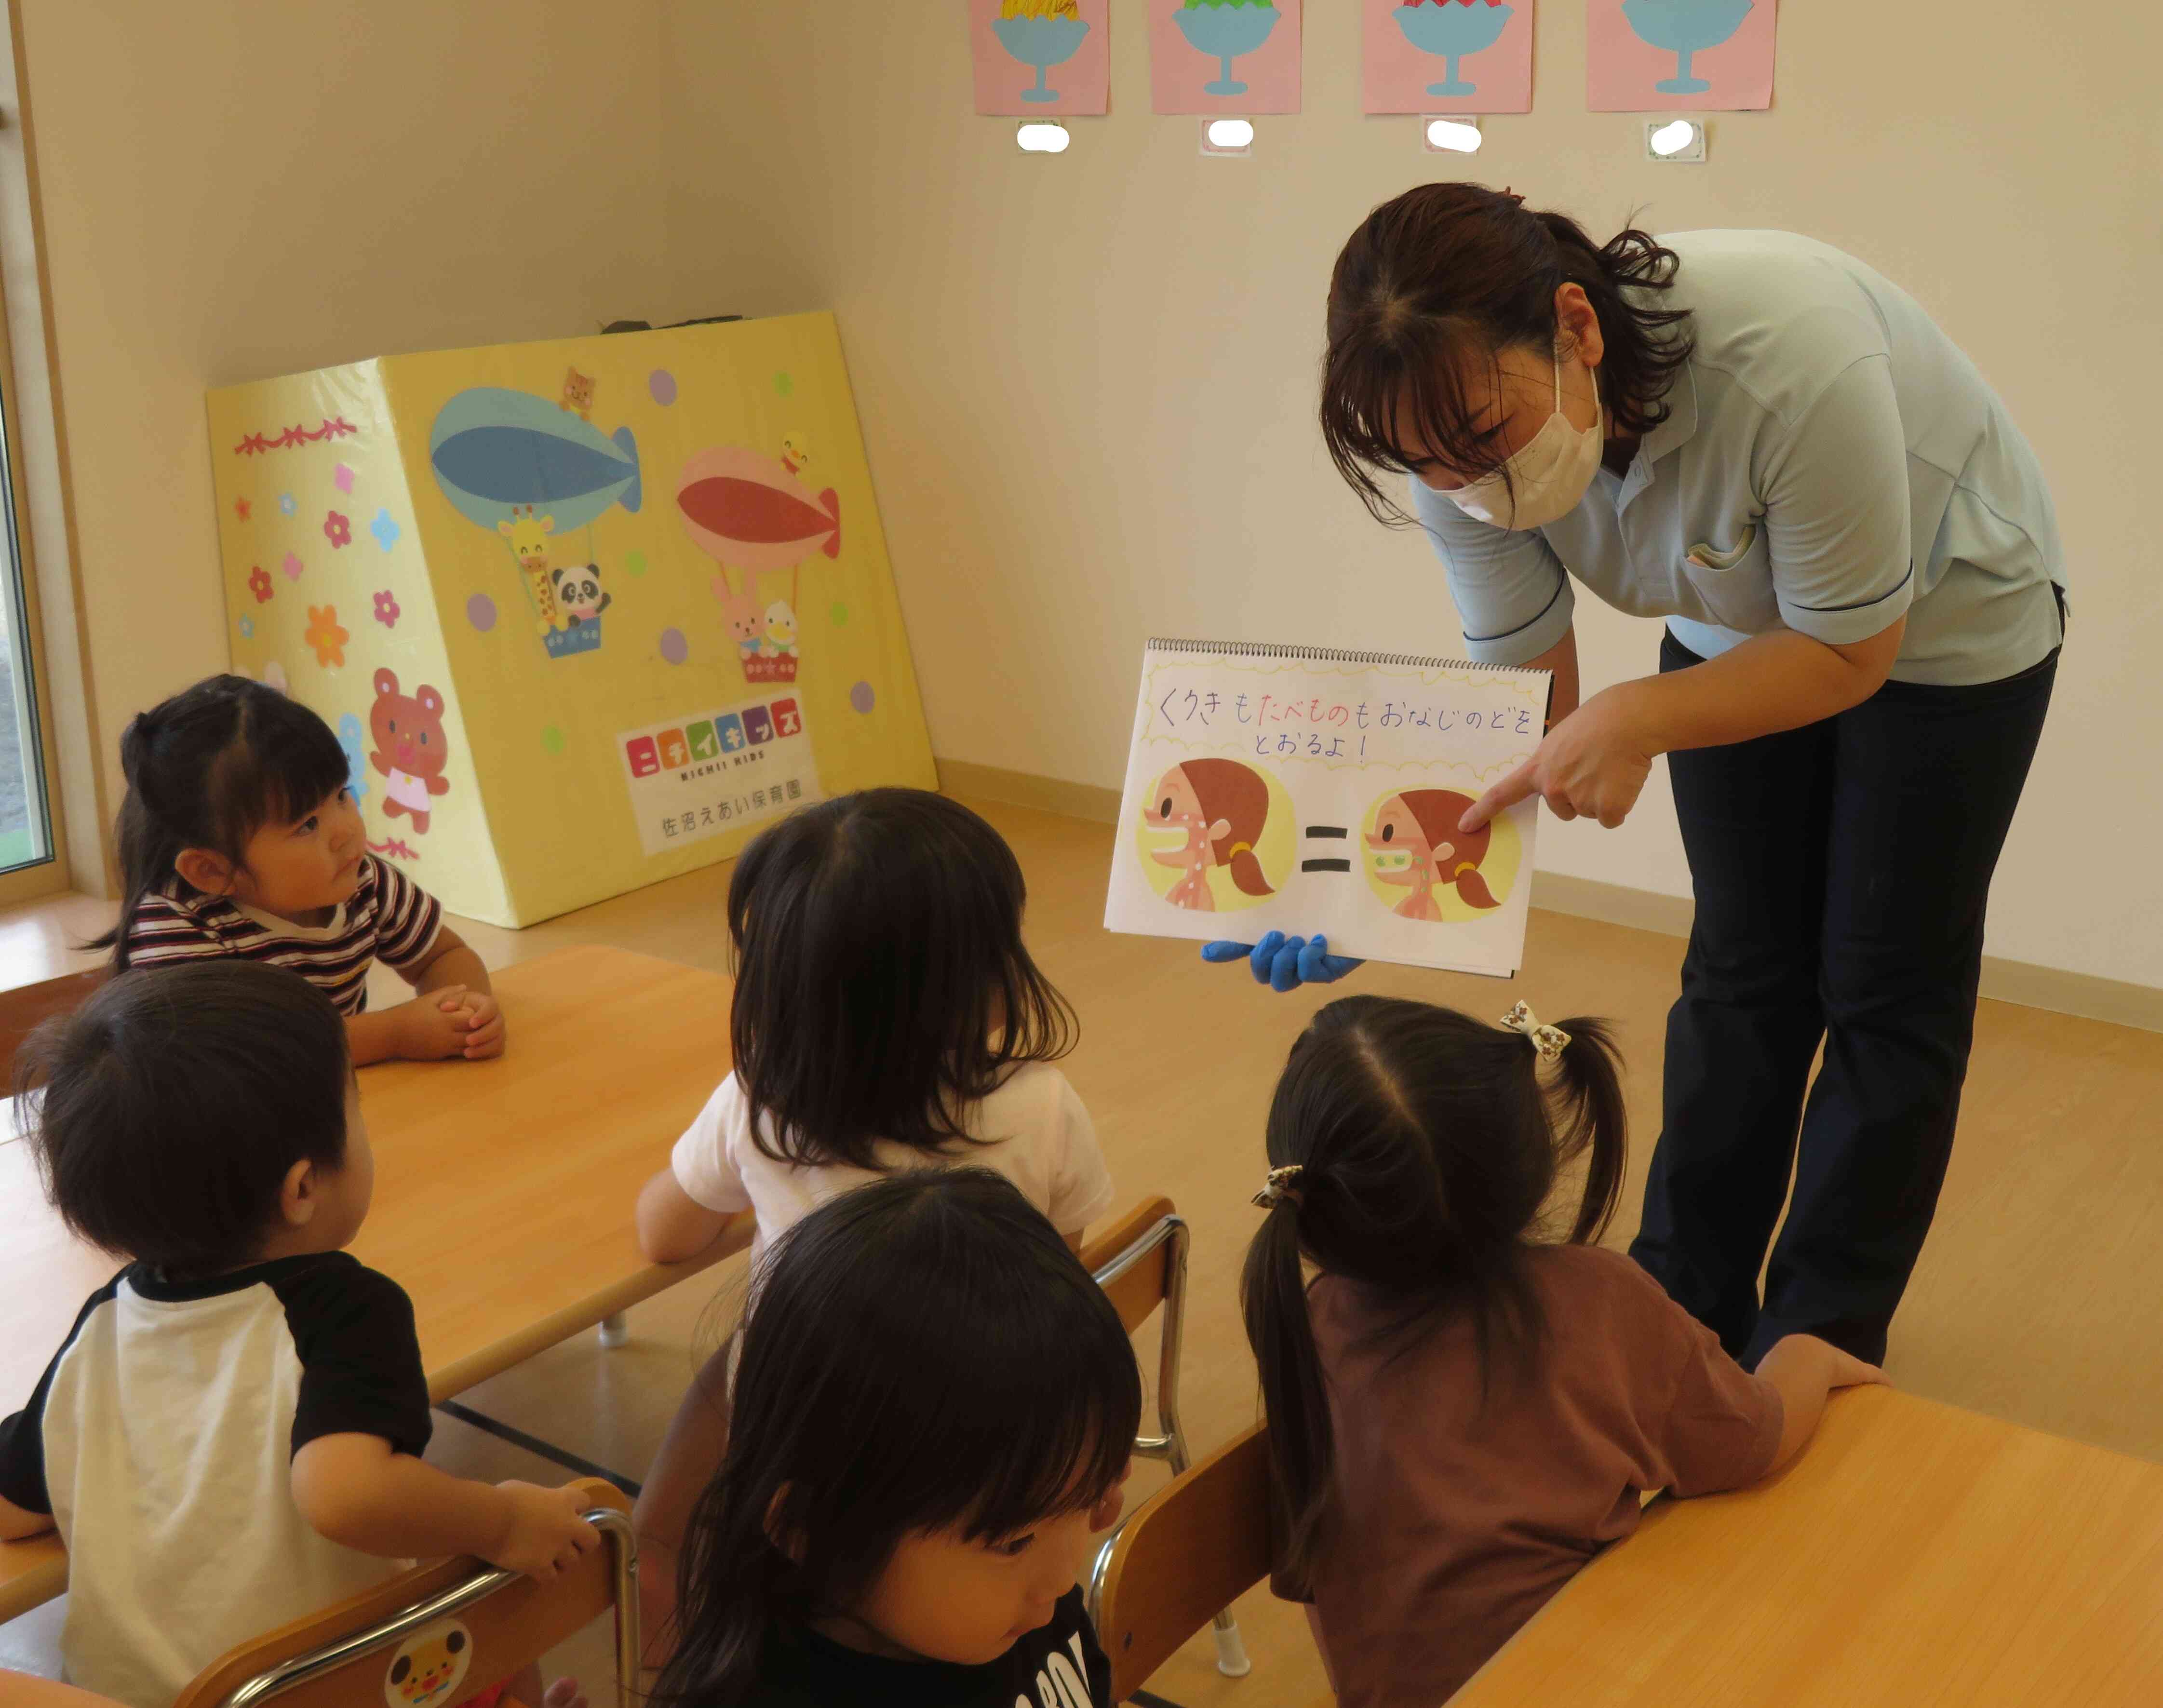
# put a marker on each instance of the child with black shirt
(933, 1416)
(230, 1437)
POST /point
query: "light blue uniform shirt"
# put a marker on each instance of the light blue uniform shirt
(1832, 461)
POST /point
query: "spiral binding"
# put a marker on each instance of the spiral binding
(1322, 655)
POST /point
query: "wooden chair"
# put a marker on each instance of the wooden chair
(495, 1621)
(1141, 1260)
(22, 1009)
(1196, 1545)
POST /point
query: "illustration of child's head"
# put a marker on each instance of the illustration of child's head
(1420, 825)
(1221, 803)
(882, 986)
(933, 1396)
(186, 1115)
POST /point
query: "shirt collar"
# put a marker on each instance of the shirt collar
(1670, 435)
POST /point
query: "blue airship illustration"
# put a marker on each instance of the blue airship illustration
(495, 450)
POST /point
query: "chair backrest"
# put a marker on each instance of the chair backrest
(1133, 1259)
(22, 1009)
(1196, 1545)
(469, 1622)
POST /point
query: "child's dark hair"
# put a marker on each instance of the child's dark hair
(207, 769)
(922, 1353)
(165, 1112)
(1428, 1147)
(883, 986)
(1448, 269)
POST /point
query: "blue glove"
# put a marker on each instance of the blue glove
(1286, 963)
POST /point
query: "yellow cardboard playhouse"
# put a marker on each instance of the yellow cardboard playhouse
(584, 614)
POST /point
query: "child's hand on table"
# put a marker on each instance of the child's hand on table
(433, 1025)
(483, 1021)
(545, 1534)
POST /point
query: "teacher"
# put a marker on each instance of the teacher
(1760, 440)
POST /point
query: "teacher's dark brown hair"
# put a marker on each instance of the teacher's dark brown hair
(1446, 269)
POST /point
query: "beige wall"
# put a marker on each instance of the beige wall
(1087, 381)
(249, 187)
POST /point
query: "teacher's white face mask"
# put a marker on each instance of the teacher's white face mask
(1547, 480)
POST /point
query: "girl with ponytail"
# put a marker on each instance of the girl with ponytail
(1468, 1400)
(1222, 805)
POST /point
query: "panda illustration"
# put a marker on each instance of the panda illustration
(579, 592)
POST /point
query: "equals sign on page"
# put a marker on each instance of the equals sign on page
(1325, 833)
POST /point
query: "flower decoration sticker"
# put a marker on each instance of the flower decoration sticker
(1041, 58)
(1446, 56)
(1240, 57)
(326, 636)
(259, 584)
(337, 530)
(1679, 55)
(387, 608)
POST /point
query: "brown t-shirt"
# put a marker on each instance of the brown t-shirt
(1453, 1523)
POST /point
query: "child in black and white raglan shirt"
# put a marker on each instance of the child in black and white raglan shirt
(230, 1437)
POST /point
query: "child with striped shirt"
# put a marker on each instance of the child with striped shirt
(239, 837)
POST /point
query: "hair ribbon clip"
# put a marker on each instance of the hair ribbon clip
(1548, 1041)
(1280, 1187)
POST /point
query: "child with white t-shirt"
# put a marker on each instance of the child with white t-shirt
(230, 1437)
(887, 1016)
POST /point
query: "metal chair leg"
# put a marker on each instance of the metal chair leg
(1231, 1651)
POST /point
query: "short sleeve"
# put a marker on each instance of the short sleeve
(361, 1358)
(1511, 593)
(701, 1162)
(1722, 1425)
(407, 918)
(22, 1436)
(163, 930)
(1081, 1183)
(1836, 510)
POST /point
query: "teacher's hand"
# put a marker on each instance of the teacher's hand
(1285, 963)
(1593, 765)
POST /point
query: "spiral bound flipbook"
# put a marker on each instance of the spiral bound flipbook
(1297, 790)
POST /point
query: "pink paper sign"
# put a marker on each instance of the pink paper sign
(1678, 55)
(1041, 57)
(1446, 55)
(1231, 56)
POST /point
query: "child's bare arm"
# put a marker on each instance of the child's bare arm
(450, 960)
(357, 1492)
(690, 1453)
(17, 1523)
(1805, 1370)
(673, 1226)
(423, 1030)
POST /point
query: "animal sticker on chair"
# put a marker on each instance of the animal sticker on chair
(755, 514)
(1223, 827)
(1419, 864)
(426, 1669)
(410, 750)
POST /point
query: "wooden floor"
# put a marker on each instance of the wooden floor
(2033, 1300)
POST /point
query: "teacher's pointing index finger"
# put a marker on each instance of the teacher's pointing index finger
(1520, 784)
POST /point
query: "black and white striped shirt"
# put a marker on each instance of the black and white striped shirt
(389, 917)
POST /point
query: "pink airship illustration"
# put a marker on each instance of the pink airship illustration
(752, 513)
(747, 510)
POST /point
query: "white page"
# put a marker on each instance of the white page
(1307, 791)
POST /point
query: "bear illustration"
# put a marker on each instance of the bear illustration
(410, 748)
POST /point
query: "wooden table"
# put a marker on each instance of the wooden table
(504, 1189)
(1914, 1555)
